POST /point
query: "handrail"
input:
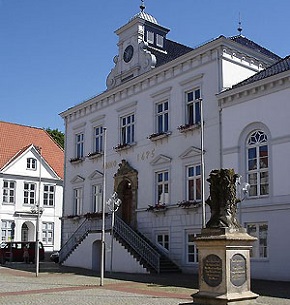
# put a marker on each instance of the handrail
(87, 226)
(137, 243)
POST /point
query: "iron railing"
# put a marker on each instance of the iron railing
(146, 252)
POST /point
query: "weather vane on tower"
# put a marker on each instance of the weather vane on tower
(142, 6)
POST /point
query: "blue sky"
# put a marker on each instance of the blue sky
(55, 54)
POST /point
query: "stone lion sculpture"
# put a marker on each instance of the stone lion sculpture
(222, 199)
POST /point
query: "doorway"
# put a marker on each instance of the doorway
(125, 184)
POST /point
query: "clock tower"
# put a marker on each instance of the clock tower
(141, 41)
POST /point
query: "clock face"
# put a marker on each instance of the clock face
(128, 53)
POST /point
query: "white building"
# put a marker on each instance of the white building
(151, 112)
(256, 142)
(31, 175)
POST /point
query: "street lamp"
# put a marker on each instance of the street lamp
(203, 208)
(113, 204)
(242, 192)
(103, 210)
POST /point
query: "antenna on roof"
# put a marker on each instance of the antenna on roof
(142, 6)
(240, 29)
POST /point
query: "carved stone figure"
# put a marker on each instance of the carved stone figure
(222, 199)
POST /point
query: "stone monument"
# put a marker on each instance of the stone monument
(224, 248)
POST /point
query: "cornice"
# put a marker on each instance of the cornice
(254, 90)
(190, 61)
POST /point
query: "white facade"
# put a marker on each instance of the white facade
(25, 182)
(262, 106)
(164, 151)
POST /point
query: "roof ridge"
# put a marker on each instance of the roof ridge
(22, 125)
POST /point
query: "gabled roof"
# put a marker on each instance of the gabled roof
(254, 46)
(16, 138)
(279, 67)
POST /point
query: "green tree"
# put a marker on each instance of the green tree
(57, 135)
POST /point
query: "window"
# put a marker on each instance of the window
(260, 231)
(6, 230)
(47, 233)
(48, 195)
(163, 240)
(191, 249)
(79, 142)
(98, 140)
(194, 183)
(31, 163)
(78, 201)
(8, 191)
(97, 198)
(257, 163)
(150, 37)
(29, 193)
(163, 187)
(127, 129)
(193, 107)
(159, 40)
(162, 117)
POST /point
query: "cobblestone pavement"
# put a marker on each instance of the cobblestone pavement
(67, 286)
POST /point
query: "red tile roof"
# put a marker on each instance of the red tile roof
(14, 138)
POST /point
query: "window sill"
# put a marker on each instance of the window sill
(121, 147)
(158, 136)
(76, 160)
(157, 208)
(188, 127)
(188, 204)
(95, 155)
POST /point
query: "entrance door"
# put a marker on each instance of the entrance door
(126, 206)
(96, 255)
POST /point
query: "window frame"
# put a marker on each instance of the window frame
(193, 253)
(79, 145)
(47, 231)
(98, 142)
(162, 117)
(253, 163)
(9, 189)
(49, 193)
(259, 250)
(127, 129)
(29, 191)
(193, 106)
(78, 201)
(162, 240)
(97, 198)
(162, 186)
(195, 178)
(31, 164)
(8, 230)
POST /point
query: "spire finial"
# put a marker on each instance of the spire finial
(240, 29)
(142, 6)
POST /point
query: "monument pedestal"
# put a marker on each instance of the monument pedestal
(224, 267)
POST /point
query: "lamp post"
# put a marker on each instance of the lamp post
(113, 204)
(38, 218)
(203, 208)
(103, 211)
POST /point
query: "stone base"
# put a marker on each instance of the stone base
(246, 298)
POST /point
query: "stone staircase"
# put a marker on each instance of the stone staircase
(142, 249)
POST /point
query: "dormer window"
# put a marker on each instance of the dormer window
(150, 37)
(31, 163)
(159, 41)
(155, 37)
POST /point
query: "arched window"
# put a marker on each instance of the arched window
(258, 163)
